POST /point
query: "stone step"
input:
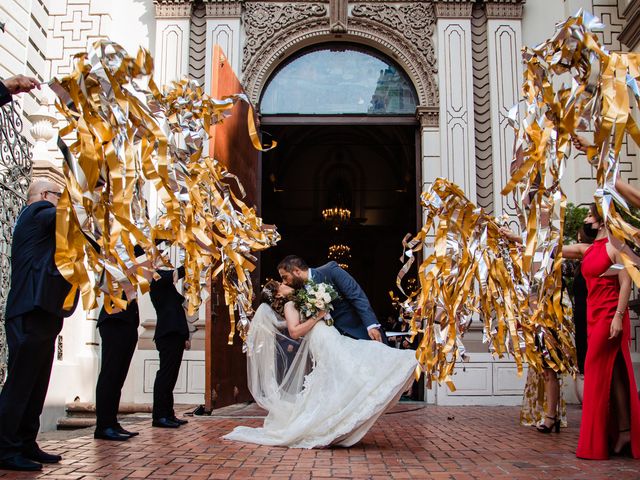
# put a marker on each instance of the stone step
(83, 414)
(89, 408)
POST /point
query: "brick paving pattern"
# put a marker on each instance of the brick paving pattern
(412, 441)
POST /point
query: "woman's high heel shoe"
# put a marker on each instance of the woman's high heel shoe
(542, 428)
(625, 448)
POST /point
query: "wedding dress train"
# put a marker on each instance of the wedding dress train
(333, 393)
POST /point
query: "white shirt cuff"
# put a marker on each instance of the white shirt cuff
(376, 325)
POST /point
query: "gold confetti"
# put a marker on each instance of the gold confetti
(130, 139)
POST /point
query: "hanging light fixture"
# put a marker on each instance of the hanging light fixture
(341, 254)
(336, 215)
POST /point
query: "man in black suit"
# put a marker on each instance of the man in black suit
(119, 335)
(14, 85)
(172, 338)
(34, 318)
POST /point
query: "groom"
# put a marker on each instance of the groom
(352, 313)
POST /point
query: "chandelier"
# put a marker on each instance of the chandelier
(341, 254)
(336, 215)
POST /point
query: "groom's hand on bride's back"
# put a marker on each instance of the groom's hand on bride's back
(374, 334)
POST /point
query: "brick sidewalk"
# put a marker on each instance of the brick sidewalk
(412, 441)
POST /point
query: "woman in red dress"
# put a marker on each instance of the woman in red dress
(610, 408)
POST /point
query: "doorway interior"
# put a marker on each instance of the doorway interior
(368, 170)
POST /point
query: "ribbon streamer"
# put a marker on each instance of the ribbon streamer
(128, 140)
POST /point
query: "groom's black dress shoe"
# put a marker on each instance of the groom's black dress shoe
(164, 423)
(110, 434)
(179, 421)
(121, 430)
(20, 463)
(38, 455)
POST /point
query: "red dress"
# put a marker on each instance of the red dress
(602, 302)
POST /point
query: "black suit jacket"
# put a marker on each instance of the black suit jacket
(130, 315)
(5, 96)
(171, 317)
(352, 313)
(36, 282)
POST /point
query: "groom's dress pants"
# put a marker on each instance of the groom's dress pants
(31, 343)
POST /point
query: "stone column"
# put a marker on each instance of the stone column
(223, 28)
(455, 78)
(504, 27)
(171, 58)
(172, 41)
(429, 118)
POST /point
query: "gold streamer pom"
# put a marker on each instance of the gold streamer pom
(129, 140)
(474, 269)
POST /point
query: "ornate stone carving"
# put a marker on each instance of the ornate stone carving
(172, 9)
(416, 22)
(448, 9)
(428, 116)
(230, 8)
(504, 10)
(265, 21)
(338, 10)
(404, 32)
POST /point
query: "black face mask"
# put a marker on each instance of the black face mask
(590, 231)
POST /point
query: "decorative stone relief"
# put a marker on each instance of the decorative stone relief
(482, 109)
(339, 11)
(73, 27)
(416, 22)
(402, 31)
(428, 116)
(169, 9)
(453, 10)
(504, 10)
(267, 21)
(198, 43)
(232, 8)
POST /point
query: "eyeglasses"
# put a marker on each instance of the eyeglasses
(57, 194)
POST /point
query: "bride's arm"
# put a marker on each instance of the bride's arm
(297, 329)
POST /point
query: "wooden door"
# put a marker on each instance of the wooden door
(225, 365)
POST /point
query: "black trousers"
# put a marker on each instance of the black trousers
(119, 340)
(31, 344)
(171, 348)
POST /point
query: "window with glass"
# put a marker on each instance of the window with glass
(339, 79)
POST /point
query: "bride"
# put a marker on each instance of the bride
(328, 392)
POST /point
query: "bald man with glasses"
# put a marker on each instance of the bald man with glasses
(34, 316)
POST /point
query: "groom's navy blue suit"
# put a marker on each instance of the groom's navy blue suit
(352, 313)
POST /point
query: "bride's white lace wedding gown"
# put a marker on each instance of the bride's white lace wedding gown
(350, 384)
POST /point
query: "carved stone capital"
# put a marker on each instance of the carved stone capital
(504, 10)
(172, 9)
(453, 8)
(428, 116)
(227, 8)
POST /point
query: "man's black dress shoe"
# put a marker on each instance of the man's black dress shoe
(110, 434)
(38, 455)
(179, 421)
(20, 463)
(164, 423)
(121, 430)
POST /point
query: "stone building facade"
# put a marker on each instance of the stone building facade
(462, 57)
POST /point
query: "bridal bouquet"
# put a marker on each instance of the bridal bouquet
(313, 298)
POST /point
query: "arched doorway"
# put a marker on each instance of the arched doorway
(342, 184)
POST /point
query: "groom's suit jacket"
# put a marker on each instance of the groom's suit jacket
(352, 313)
